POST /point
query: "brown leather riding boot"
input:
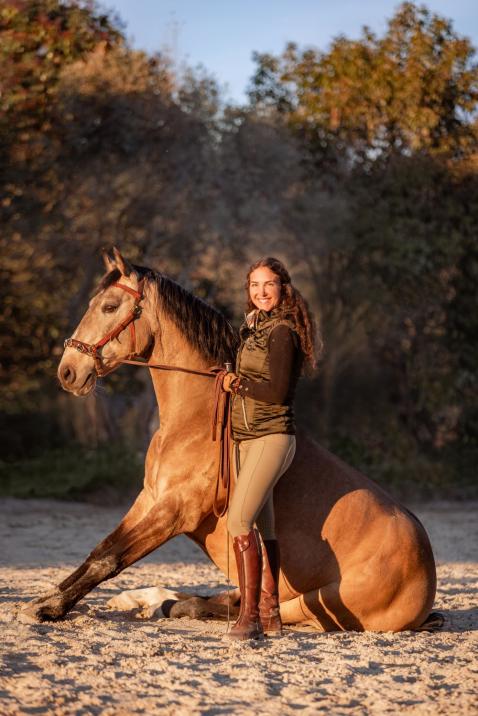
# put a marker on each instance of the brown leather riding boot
(247, 549)
(269, 611)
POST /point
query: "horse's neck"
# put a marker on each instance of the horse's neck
(183, 399)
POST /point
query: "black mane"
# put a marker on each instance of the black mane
(206, 329)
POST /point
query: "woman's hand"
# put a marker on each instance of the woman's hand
(229, 378)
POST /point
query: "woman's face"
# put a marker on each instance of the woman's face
(264, 288)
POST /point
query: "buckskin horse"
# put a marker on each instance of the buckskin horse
(353, 558)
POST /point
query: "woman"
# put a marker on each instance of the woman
(277, 342)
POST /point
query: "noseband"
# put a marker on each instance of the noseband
(93, 349)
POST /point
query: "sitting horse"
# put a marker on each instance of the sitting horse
(352, 557)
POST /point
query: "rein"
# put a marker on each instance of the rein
(211, 373)
(221, 418)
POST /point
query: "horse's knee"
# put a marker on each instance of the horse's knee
(106, 566)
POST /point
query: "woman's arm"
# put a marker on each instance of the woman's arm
(282, 349)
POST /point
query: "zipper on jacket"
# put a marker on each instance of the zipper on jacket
(244, 412)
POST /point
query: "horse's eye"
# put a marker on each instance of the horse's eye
(109, 308)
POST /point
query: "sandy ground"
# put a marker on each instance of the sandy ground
(99, 661)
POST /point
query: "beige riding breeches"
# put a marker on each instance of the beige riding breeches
(262, 461)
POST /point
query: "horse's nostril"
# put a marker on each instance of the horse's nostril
(68, 375)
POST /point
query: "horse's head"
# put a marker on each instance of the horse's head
(110, 331)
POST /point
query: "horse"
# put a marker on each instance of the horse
(352, 557)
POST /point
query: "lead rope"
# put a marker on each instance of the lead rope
(228, 581)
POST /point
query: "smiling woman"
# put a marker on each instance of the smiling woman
(264, 288)
(277, 339)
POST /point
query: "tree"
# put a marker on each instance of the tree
(38, 39)
(396, 117)
(412, 90)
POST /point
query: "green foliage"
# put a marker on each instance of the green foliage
(412, 229)
(389, 122)
(38, 38)
(357, 166)
(412, 90)
(73, 472)
(402, 468)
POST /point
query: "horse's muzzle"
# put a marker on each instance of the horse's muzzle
(70, 380)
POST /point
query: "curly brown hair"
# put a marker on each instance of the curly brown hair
(294, 307)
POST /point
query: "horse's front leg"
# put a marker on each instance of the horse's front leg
(149, 523)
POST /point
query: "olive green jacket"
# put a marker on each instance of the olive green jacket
(253, 418)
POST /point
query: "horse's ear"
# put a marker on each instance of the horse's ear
(108, 261)
(121, 263)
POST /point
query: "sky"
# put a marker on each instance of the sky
(221, 35)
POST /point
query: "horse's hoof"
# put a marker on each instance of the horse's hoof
(194, 608)
(40, 610)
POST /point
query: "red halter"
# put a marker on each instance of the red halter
(93, 349)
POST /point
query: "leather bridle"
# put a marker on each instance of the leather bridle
(93, 349)
(221, 423)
